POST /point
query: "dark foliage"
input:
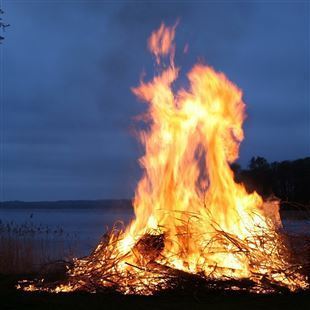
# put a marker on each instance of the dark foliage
(287, 180)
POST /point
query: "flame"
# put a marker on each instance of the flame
(188, 184)
(190, 214)
(188, 192)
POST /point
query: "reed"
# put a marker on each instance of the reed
(25, 248)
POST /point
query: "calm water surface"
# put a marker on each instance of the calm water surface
(81, 227)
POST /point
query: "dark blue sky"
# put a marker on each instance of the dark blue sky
(67, 116)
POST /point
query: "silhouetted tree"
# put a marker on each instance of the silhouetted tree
(258, 163)
(257, 176)
(288, 180)
(237, 170)
(291, 179)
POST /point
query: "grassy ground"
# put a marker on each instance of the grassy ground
(10, 298)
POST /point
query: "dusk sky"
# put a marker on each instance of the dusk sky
(67, 117)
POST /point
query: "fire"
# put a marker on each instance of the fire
(190, 214)
(188, 192)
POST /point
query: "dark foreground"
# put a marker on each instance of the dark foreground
(10, 298)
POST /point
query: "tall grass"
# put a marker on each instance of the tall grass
(25, 248)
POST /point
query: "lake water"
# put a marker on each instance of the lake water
(84, 227)
(81, 228)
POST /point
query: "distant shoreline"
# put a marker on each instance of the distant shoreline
(286, 211)
(68, 204)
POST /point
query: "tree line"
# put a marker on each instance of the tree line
(287, 180)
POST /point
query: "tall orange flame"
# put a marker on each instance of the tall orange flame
(194, 135)
(188, 191)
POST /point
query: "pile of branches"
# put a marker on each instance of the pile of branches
(103, 270)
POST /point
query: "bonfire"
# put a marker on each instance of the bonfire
(194, 226)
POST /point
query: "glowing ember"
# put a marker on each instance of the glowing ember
(190, 215)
